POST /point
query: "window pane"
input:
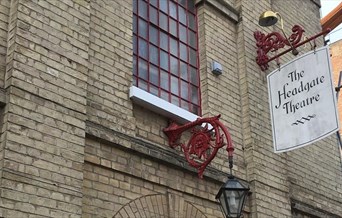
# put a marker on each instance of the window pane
(181, 15)
(153, 15)
(173, 47)
(184, 105)
(192, 39)
(164, 60)
(154, 54)
(163, 5)
(184, 90)
(191, 6)
(173, 27)
(135, 21)
(164, 95)
(182, 2)
(154, 3)
(193, 76)
(173, 10)
(194, 109)
(142, 85)
(154, 75)
(192, 21)
(193, 57)
(143, 9)
(182, 33)
(174, 85)
(142, 69)
(174, 100)
(135, 81)
(174, 65)
(135, 3)
(184, 71)
(142, 28)
(143, 48)
(154, 90)
(183, 52)
(153, 35)
(163, 41)
(134, 65)
(135, 46)
(194, 94)
(164, 80)
(163, 21)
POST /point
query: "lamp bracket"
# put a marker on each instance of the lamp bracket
(207, 136)
(272, 42)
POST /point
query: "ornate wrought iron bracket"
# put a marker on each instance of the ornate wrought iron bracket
(274, 41)
(208, 135)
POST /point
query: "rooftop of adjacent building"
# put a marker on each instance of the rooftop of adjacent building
(331, 13)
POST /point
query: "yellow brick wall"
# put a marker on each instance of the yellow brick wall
(110, 48)
(74, 144)
(221, 94)
(336, 64)
(44, 125)
(114, 177)
(110, 65)
(4, 13)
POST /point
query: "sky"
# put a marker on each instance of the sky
(327, 6)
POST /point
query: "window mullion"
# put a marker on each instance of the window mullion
(199, 100)
(138, 53)
(178, 58)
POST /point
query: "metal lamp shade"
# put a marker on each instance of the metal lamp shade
(268, 18)
(232, 197)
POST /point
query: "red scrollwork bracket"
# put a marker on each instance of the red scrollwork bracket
(274, 41)
(208, 135)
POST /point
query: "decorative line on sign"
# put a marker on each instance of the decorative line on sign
(304, 119)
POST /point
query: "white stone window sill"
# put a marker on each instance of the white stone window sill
(160, 106)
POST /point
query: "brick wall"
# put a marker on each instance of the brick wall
(74, 144)
(220, 94)
(4, 14)
(336, 64)
(267, 178)
(110, 61)
(45, 114)
(115, 176)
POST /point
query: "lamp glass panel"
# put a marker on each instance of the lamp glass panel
(233, 203)
(232, 197)
(223, 203)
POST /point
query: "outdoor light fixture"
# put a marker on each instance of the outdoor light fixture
(232, 196)
(207, 136)
(269, 18)
(272, 42)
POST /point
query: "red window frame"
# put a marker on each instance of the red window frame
(165, 60)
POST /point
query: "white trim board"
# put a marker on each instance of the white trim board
(160, 106)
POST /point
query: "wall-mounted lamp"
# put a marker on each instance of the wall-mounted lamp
(202, 147)
(269, 18)
(232, 196)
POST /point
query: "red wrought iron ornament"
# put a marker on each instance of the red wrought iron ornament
(274, 41)
(208, 135)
